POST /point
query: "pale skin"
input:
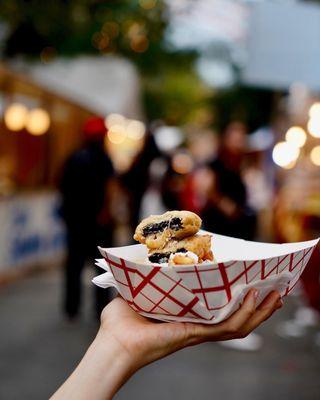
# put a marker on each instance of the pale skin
(127, 341)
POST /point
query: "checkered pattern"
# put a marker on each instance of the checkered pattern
(199, 293)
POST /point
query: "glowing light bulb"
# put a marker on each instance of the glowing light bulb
(114, 119)
(284, 154)
(314, 110)
(135, 130)
(182, 163)
(15, 116)
(296, 136)
(314, 127)
(148, 4)
(315, 155)
(116, 134)
(38, 121)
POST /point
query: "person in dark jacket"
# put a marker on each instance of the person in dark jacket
(84, 187)
(226, 211)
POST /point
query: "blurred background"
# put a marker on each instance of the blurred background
(113, 110)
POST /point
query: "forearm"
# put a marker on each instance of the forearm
(103, 370)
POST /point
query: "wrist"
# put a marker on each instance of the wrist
(105, 367)
(109, 346)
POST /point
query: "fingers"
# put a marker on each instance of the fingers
(269, 305)
(245, 312)
(241, 322)
(232, 325)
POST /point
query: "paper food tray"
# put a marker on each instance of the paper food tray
(203, 293)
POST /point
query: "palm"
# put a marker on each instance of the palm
(142, 336)
(146, 340)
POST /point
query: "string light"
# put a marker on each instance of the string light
(114, 119)
(182, 163)
(37, 121)
(315, 155)
(285, 154)
(139, 44)
(15, 116)
(147, 4)
(116, 134)
(135, 129)
(314, 110)
(296, 136)
(314, 126)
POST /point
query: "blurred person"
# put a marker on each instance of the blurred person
(137, 179)
(300, 225)
(259, 194)
(126, 342)
(227, 211)
(172, 187)
(85, 190)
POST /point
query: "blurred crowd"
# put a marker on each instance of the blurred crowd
(222, 176)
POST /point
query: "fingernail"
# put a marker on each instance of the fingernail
(255, 294)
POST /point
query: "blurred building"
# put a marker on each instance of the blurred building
(43, 108)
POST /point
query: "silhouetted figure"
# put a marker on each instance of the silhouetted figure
(84, 189)
(137, 179)
(226, 211)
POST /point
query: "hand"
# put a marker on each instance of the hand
(144, 340)
(127, 341)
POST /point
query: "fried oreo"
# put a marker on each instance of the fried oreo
(197, 244)
(157, 230)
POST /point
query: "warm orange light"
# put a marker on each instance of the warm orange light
(147, 4)
(100, 40)
(314, 110)
(111, 28)
(135, 129)
(296, 136)
(139, 44)
(15, 116)
(116, 134)
(37, 122)
(314, 126)
(315, 155)
(285, 154)
(114, 119)
(182, 163)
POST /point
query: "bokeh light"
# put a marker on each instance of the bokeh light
(314, 127)
(147, 4)
(100, 40)
(315, 155)
(114, 119)
(291, 165)
(117, 134)
(139, 44)
(296, 136)
(37, 122)
(168, 138)
(315, 110)
(284, 154)
(135, 129)
(15, 116)
(182, 163)
(111, 29)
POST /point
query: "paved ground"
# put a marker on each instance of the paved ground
(38, 349)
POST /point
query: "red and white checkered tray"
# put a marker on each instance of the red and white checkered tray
(203, 293)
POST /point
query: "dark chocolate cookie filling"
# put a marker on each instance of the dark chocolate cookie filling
(163, 257)
(174, 223)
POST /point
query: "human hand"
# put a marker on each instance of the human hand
(144, 341)
(126, 341)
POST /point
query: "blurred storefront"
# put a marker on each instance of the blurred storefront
(43, 109)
